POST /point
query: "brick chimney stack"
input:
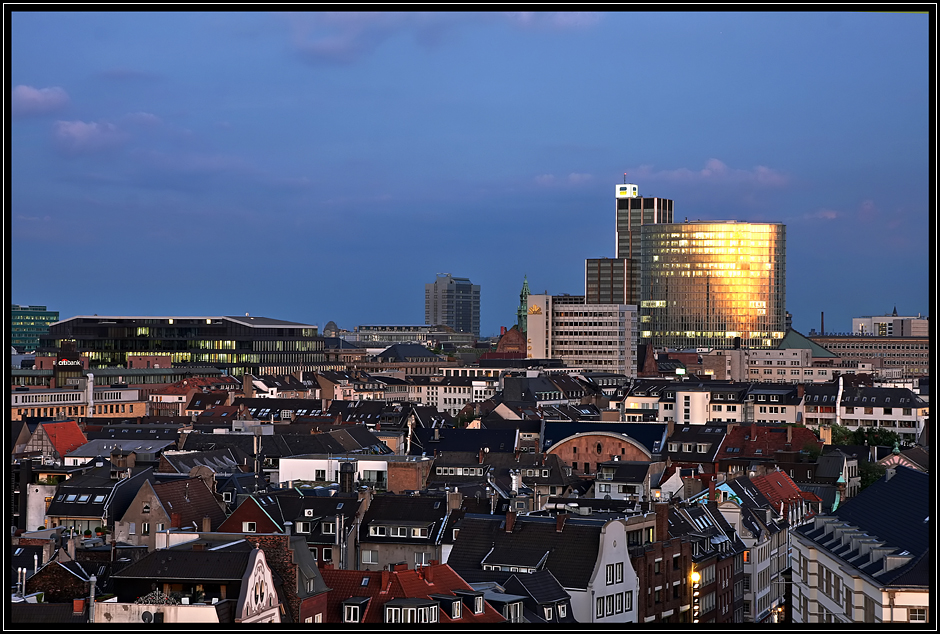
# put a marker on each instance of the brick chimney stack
(510, 520)
(206, 524)
(560, 522)
(662, 521)
(711, 491)
(176, 520)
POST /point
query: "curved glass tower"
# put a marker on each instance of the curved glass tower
(713, 284)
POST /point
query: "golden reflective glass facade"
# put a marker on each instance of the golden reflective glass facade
(705, 283)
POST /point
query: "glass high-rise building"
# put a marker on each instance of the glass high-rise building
(713, 284)
(453, 301)
(28, 323)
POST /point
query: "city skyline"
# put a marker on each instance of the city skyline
(323, 167)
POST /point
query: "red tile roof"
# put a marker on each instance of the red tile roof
(199, 382)
(399, 584)
(192, 499)
(65, 436)
(777, 486)
(767, 439)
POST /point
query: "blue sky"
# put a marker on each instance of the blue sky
(317, 167)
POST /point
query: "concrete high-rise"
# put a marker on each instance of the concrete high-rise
(611, 281)
(713, 284)
(453, 301)
(633, 211)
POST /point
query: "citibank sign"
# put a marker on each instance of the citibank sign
(68, 362)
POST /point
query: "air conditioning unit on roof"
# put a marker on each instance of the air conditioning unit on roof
(308, 512)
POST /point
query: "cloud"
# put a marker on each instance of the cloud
(143, 118)
(553, 20)
(27, 101)
(714, 171)
(824, 214)
(77, 137)
(574, 178)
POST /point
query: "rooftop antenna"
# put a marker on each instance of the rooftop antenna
(624, 178)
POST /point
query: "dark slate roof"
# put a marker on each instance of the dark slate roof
(572, 553)
(626, 470)
(169, 565)
(711, 434)
(412, 511)
(219, 460)
(894, 511)
(454, 439)
(136, 432)
(826, 492)
(540, 585)
(45, 613)
(650, 435)
(192, 499)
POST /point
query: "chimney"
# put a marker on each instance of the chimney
(662, 521)
(437, 433)
(711, 490)
(800, 390)
(176, 520)
(400, 566)
(454, 500)
(889, 473)
(71, 547)
(385, 580)
(560, 522)
(789, 434)
(206, 524)
(78, 607)
(753, 432)
(510, 520)
(429, 572)
(481, 456)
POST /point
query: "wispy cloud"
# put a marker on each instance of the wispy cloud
(143, 118)
(823, 214)
(78, 137)
(553, 20)
(574, 178)
(715, 171)
(28, 101)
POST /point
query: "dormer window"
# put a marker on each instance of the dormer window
(548, 613)
(328, 528)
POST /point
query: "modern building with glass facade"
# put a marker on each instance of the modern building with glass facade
(236, 345)
(453, 301)
(713, 284)
(28, 324)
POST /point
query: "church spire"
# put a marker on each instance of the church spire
(523, 311)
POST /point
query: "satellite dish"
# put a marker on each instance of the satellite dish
(146, 617)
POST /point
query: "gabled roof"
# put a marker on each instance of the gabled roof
(455, 439)
(763, 441)
(572, 551)
(777, 487)
(192, 499)
(202, 565)
(407, 352)
(65, 436)
(219, 460)
(541, 586)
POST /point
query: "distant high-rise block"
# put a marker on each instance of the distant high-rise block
(633, 212)
(453, 301)
(710, 283)
(28, 323)
(611, 281)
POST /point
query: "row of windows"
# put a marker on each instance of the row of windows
(611, 604)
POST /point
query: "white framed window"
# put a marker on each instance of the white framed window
(618, 602)
(249, 527)
(377, 531)
(351, 614)
(610, 574)
(618, 572)
(303, 527)
(603, 488)
(313, 552)
(392, 614)
(327, 554)
(548, 613)
(628, 600)
(478, 605)
(226, 496)
(422, 559)
(419, 532)
(328, 528)
(562, 610)
(131, 528)
(370, 556)
(917, 615)
(599, 612)
(609, 599)
(455, 609)
(145, 528)
(398, 531)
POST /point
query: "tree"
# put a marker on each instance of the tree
(875, 436)
(842, 435)
(870, 472)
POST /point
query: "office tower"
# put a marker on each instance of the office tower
(633, 212)
(713, 284)
(28, 323)
(611, 281)
(236, 345)
(595, 337)
(891, 325)
(453, 301)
